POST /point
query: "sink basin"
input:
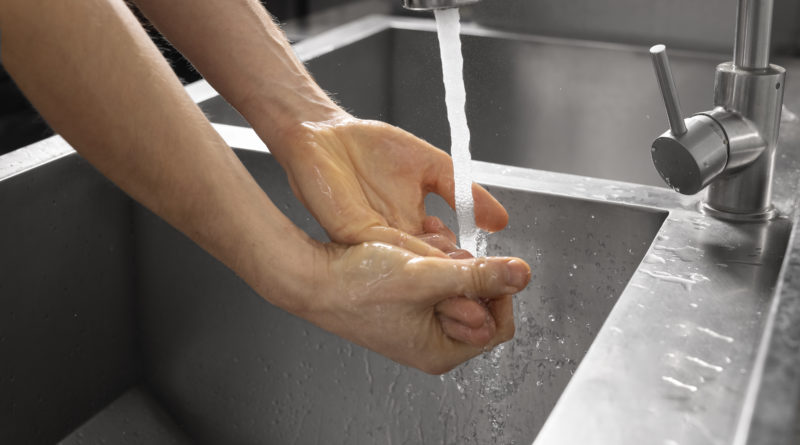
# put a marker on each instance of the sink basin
(123, 300)
(534, 102)
(646, 321)
(231, 359)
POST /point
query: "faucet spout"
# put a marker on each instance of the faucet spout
(430, 5)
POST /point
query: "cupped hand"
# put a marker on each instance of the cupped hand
(388, 299)
(367, 181)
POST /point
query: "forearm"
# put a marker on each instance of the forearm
(94, 75)
(246, 57)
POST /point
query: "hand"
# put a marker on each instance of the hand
(385, 298)
(367, 181)
(464, 319)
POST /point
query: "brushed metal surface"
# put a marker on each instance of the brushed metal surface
(429, 5)
(135, 418)
(222, 357)
(669, 341)
(67, 312)
(706, 25)
(555, 105)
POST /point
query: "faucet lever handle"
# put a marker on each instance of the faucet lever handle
(668, 90)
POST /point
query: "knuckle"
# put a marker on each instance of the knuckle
(479, 277)
(507, 332)
(402, 239)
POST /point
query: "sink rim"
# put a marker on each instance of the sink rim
(743, 401)
(679, 207)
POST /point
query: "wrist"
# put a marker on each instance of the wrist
(291, 281)
(300, 140)
(276, 118)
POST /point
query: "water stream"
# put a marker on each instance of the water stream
(490, 383)
(449, 28)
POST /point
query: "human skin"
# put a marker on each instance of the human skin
(99, 81)
(362, 180)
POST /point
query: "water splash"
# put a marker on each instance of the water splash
(704, 364)
(678, 384)
(448, 29)
(686, 282)
(654, 259)
(788, 116)
(687, 253)
(716, 335)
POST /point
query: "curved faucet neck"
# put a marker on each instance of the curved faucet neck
(753, 33)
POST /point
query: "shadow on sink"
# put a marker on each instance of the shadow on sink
(233, 369)
(121, 306)
(532, 102)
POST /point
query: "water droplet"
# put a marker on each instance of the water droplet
(716, 335)
(678, 384)
(704, 364)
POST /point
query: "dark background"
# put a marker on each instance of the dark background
(21, 125)
(684, 24)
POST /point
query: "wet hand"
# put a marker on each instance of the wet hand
(390, 300)
(367, 181)
(464, 319)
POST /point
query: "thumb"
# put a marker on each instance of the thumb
(488, 278)
(397, 238)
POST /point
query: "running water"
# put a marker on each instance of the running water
(471, 238)
(449, 28)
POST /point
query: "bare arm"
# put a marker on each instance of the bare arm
(379, 173)
(239, 49)
(96, 77)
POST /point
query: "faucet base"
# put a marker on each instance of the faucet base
(767, 215)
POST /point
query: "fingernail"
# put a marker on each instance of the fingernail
(518, 273)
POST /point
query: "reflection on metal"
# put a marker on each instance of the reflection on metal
(731, 148)
(428, 5)
(669, 351)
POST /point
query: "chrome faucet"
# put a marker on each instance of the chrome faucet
(428, 5)
(731, 148)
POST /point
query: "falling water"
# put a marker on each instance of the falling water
(449, 28)
(470, 237)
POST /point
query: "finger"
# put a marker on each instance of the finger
(398, 238)
(432, 224)
(460, 254)
(492, 277)
(470, 313)
(445, 245)
(502, 313)
(490, 215)
(438, 241)
(478, 337)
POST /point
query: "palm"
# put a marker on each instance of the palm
(367, 180)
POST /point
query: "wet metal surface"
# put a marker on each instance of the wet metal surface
(231, 358)
(680, 351)
(644, 321)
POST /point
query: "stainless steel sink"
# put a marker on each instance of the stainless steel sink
(645, 321)
(233, 360)
(583, 108)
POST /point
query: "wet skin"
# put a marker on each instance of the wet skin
(386, 282)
